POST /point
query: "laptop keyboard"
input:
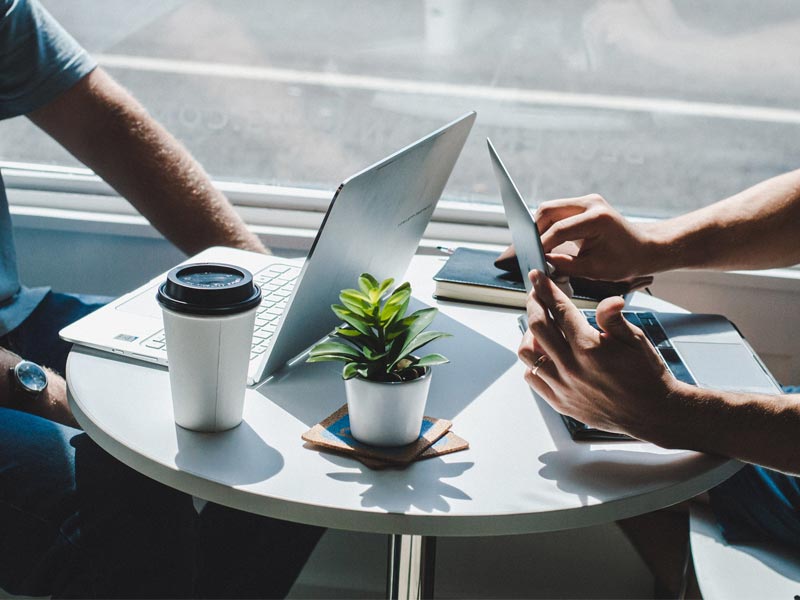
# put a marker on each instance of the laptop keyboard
(277, 283)
(647, 322)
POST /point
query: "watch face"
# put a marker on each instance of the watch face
(31, 376)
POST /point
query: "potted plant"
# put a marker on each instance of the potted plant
(385, 382)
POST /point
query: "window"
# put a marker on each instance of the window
(661, 106)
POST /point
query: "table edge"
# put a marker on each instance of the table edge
(441, 524)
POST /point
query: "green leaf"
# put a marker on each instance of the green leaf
(419, 341)
(376, 293)
(358, 339)
(431, 360)
(336, 348)
(355, 295)
(394, 353)
(357, 311)
(373, 356)
(355, 301)
(327, 358)
(398, 328)
(385, 285)
(425, 338)
(396, 305)
(389, 314)
(351, 319)
(352, 369)
(367, 283)
(349, 370)
(345, 332)
(421, 319)
(403, 288)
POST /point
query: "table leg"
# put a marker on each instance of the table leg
(412, 560)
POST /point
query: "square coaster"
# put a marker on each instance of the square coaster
(334, 433)
(447, 444)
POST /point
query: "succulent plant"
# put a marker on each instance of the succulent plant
(378, 338)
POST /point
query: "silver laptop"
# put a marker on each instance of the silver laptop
(373, 225)
(703, 350)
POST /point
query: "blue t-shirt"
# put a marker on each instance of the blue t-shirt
(38, 61)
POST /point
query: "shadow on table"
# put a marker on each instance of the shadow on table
(235, 457)
(611, 470)
(603, 474)
(310, 392)
(420, 486)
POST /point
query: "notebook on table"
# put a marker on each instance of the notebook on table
(469, 275)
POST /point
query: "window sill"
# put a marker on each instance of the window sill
(292, 229)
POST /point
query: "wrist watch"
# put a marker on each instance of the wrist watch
(28, 379)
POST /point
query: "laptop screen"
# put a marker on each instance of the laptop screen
(524, 231)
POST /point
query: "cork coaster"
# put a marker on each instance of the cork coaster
(334, 434)
(447, 444)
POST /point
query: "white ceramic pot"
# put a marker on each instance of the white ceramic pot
(387, 413)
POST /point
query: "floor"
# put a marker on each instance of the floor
(595, 562)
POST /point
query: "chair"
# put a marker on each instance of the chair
(744, 571)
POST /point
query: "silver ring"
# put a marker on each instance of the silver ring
(538, 363)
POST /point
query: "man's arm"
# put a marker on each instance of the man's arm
(51, 404)
(616, 381)
(754, 229)
(104, 127)
(755, 428)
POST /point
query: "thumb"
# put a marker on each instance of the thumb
(609, 318)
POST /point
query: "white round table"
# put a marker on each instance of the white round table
(521, 474)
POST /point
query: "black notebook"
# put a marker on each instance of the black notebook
(470, 275)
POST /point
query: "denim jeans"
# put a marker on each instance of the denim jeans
(759, 505)
(37, 338)
(75, 522)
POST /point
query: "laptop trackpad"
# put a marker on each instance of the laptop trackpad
(729, 367)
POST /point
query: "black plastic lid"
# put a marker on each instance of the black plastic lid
(209, 289)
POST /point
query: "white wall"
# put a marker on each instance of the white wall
(765, 306)
(90, 263)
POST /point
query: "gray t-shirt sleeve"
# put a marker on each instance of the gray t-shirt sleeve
(38, 58)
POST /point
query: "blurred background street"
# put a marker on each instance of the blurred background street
(661, 106)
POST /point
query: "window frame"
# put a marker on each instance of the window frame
(285, 217)
(268, 209)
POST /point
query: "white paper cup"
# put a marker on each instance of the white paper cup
(208, 329)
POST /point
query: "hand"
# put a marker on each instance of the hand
(613, 380)
(585, 237)
(608, 246)
(507, 260)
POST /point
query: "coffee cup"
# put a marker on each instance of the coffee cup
(209, 312)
